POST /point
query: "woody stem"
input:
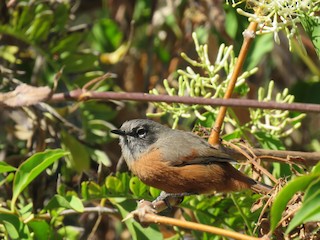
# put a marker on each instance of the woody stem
(248, 35)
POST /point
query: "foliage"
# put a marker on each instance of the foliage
(274, 16)
(19, 220)
(59, 172)
(309, 209)
(211, 84)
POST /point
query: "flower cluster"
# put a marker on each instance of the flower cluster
(278, 123)
(276, 15)
(201, 79)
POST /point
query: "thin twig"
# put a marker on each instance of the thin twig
(95, 227)
(249, 155)
(283, 156)
(242, 214)
(97, 80)
(100, 210)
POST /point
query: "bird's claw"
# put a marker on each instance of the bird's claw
(144, 208)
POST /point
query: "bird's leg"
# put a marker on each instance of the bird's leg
(165, 197)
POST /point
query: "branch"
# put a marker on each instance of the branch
(291, 157)
(248, 35)
(99, 210)
(145, 214)
(148, 218)
(196, 226)
(82, 95)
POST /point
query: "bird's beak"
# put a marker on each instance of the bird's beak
(119, 132)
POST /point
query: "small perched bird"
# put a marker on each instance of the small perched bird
(179, 162)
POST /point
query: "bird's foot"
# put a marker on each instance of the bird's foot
(144, 208)
(167, 198)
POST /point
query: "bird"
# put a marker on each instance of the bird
(178, 162)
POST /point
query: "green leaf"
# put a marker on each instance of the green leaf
(310, 209)
(135, 229)
(101, 157)
(69, 43)
(281, 201)
(8, 53)
(7, 179)
(11, 224)
(262, 45)
(40, 26)
(125, 179)
(281, 170)
(61, 15)
(231, 22)
(15, 228)
(268, 141)
(142, 11)
(26, 211)
(137, 187)
(5, 167)
(31, 168)
(41, 230)
(25, 17)
(161, 51)
(106, 35)
(75, 203)
(208, 123)
(114, 185)
(69, 232)
(69, 202)
(79, 62)
(311, 25)
(316, 168)
(79, 154)
(236, 134)
(91, 190)
(155, 192)
(312, 190)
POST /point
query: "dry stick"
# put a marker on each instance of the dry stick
(249, 155)
(97, 80)
(95, 227)
(248, 37)
(152, 218)
(282, 156)
(80, 95)
(100, 210)
(253, 160)
(293, 157)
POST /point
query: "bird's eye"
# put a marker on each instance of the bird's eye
(141, 132)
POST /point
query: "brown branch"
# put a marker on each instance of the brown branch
(80, 95)
(99, 210)
(153, 218)
(248, 37)
(145, 215)
(289, 157)
(249, 155)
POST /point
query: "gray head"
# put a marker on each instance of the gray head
(137, 135)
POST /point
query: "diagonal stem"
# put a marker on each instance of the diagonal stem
(248, 35)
